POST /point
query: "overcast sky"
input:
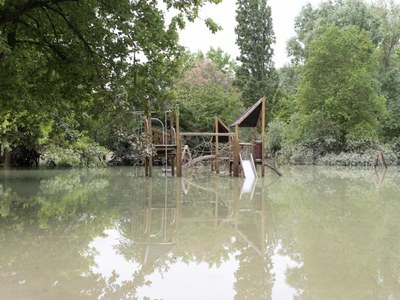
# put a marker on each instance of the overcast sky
(197, 37)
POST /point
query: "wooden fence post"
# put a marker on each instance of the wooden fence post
(178, 148)
(236, 152)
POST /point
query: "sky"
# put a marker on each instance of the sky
(196, 36)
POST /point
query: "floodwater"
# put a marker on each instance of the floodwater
(315, 233)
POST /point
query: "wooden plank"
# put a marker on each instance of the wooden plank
(206, 134)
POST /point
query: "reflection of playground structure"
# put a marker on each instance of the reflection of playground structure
(157, 227)
(379, 177)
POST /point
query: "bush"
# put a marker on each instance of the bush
(303, 155)
(85, 152)
(130, 149)
(275, 136)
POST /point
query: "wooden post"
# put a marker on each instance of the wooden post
(236, 152)
(171, 125)
(146, 141)
(178, 148)
(382, 159)
(178, 197)
(230, 154)
(150, 135)
(262, 240)
(216, 146)
(216, 213)
(213, 161)
(263, 137)
(149, 195)
(173, 166)
(379, 158)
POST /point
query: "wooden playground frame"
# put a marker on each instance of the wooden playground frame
(171, 146)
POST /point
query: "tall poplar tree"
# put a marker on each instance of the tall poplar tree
(256, 75)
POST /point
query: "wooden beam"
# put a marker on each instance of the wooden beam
(146, 161)
(178, 148)
(171, 125)
(263, 136)
(151, 143)
(206, 134)
(236, 152)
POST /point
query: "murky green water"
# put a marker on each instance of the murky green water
(316, 233)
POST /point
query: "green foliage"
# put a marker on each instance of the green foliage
(276, 135)
(285, 104)
(222, 61)
(256, 75)
(130, 148)
(68, 62)
(311, 23)
(83, 153)
(214, 27)
(19, 129)
(391, 89)
(388, 32)
(204, 92)
(337, 95)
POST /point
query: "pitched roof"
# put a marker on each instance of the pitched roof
(250, 117)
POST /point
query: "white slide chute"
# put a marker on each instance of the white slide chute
(250, 174)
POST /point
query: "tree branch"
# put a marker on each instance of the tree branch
(13, 13)
(73, 28)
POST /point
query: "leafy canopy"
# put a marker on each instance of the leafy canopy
(256, 75)
(337, 94)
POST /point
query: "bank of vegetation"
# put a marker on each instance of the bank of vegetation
(74, 74)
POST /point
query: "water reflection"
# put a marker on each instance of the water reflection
(316, 233)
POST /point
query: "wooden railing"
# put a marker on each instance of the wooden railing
(162, 138)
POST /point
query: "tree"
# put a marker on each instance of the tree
(310, 23)
(388, 14)
(256, 75)
(222, 61)
(337, 94)
(204, 91)
(73, 59)
(380, 21)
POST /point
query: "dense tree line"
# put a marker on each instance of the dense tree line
(340, 93)
(74, 72)
(70, 68)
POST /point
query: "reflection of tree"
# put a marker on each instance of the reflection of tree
(343, 230)
(253, 278)
(346, 242)
(43, 236)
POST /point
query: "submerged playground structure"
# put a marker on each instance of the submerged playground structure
(241, 156)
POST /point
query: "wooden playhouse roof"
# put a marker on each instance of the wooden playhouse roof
(250, 117)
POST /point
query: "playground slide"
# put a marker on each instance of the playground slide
(249, 168)
(250, 174)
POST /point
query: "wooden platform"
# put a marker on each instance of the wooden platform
(170, 149)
